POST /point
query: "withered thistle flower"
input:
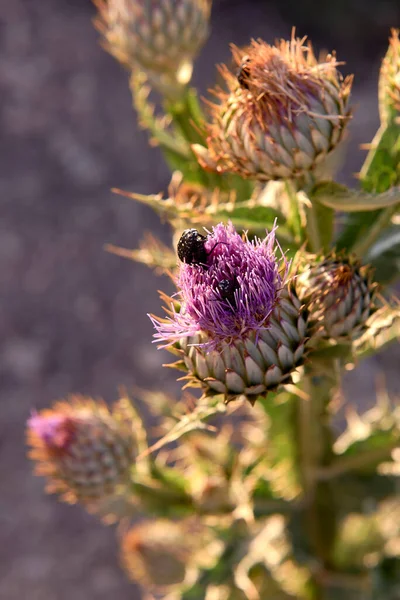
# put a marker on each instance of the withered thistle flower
(283, 113)
(160, 37)
(236, 322)
(341, 296)
(389, 80)
(84, 449)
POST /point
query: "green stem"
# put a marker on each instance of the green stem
(313, 230)
(156, 125)
(315, 453)
(319, 219)
(186, 115)
(294, 216)
(361, 247)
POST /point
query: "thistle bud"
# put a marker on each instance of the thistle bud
(283, 113)
(389, 80)
(340, 296)
(240, 328)
(160, 37)
(83, 449)
(158, 554)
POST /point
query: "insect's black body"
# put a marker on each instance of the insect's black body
(191, 249)
(227, 288)
(243, 73)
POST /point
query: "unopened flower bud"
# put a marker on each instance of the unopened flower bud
(158, 554)
(240, 328)
(340, 296)
(160, 37)
(83, 449)
(283, 113)
(389, 80)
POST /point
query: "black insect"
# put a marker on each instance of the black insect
(191, 249)
(227, 289)
(243, 73)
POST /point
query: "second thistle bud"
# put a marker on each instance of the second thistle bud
(340, 296)
(85, 450)
(283, 113)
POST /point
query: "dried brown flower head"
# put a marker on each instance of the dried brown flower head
(284, 111)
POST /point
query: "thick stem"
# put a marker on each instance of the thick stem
(313, 228)
(319, 221)
(315, 453)
(186, 115)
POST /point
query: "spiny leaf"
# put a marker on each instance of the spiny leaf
(384, 256)
(152, 253)
(383, 327)
(189, 204)
(159, 127)
(339, 198)
(369, 439)
(381, 169)
(207, 407)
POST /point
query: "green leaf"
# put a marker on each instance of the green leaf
(152, 253)
(381, 169)
(355, 227)
(384, 256)
(158, 126)
(187, 116)
(389, 242)
(353, 200)
(368, 440)
(206, 408)
(380, 172)
(383, 327)
(246, 215)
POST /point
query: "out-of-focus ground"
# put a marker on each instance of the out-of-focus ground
(72, 317)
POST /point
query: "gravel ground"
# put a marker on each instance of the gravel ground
(72, 316)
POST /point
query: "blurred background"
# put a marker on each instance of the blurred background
(72, 317)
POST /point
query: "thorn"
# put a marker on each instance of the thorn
(118, 251)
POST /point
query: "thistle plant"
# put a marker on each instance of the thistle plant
(284, 280)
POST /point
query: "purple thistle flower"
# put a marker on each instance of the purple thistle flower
(230, 297)
(55, 431)
(84, 449)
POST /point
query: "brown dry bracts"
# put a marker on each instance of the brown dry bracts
(283, 113)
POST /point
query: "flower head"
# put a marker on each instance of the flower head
(341, 296)
(161, 37)
(237, 323)
(284, 111)
(85, 450)
(231, 295)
